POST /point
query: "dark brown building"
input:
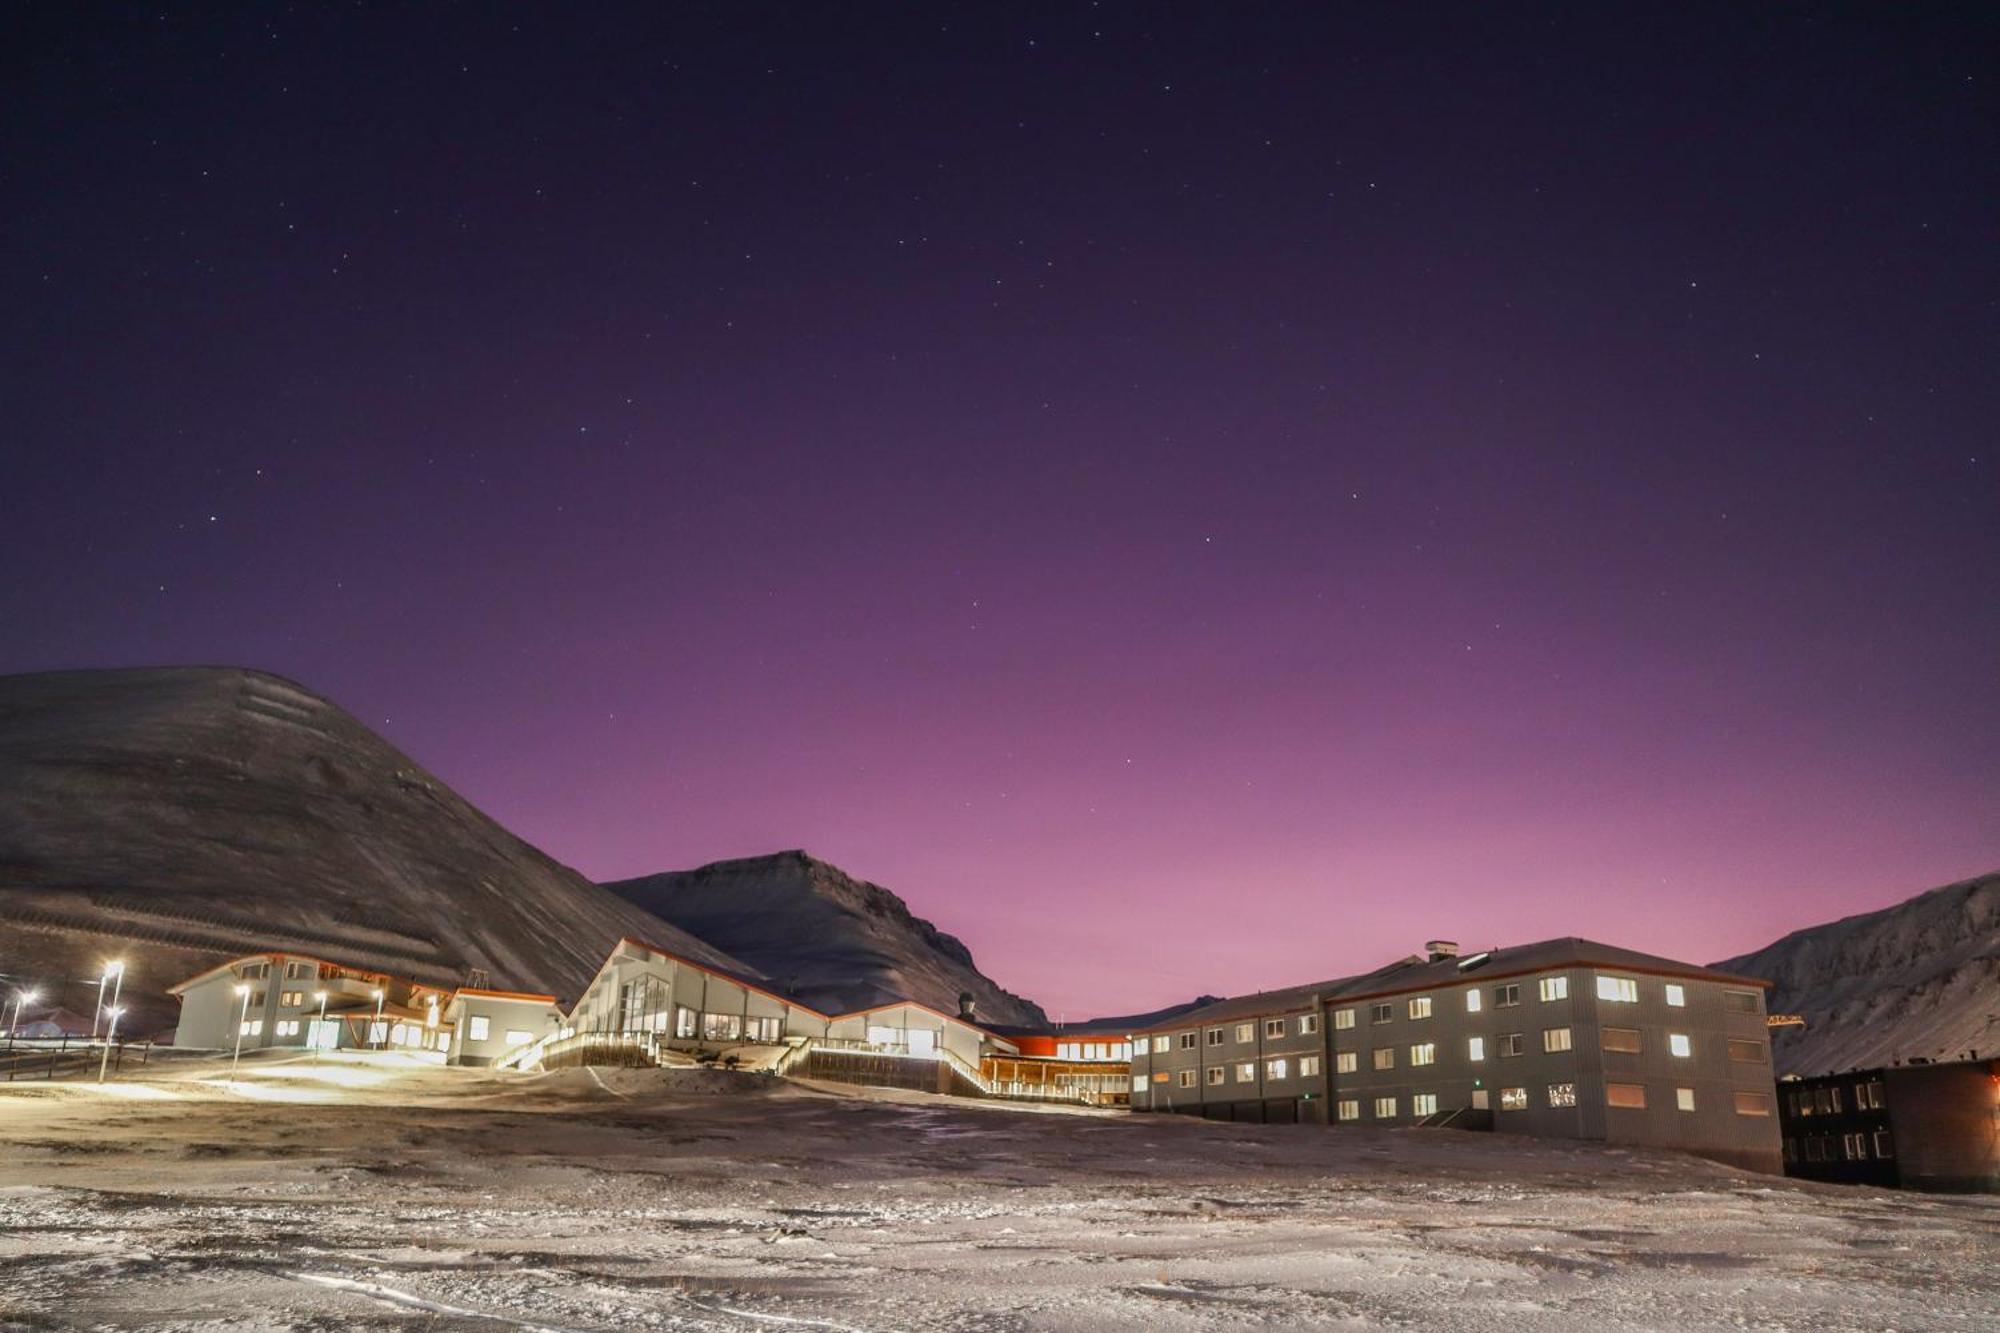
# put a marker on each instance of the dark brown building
(1915, 1126)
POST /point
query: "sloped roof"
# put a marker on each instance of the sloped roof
(1418, 973)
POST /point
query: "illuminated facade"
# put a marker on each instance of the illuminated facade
(1565, 1038)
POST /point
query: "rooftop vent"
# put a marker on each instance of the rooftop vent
(1439, 950)
(1470, 961)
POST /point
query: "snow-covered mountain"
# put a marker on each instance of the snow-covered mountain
(1921, 978)
(836, 942)
(177, 817)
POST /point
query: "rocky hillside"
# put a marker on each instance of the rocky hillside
(836, 942)
(177, 817)
(1921, 978)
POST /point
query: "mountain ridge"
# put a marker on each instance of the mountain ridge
(179, 816)
(1916, 979)
(837, 942)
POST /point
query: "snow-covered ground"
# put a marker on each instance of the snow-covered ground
(366, 1194)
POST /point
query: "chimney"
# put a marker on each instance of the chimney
(968, 1008)
(1439, 950)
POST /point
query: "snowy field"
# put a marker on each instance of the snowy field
(365, 1194)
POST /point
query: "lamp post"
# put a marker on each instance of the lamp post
(97, 1014)
(117, 970)
(319, 1032)
(373, 1039)
(110, 1035)
(22, 998)
(242, 1021)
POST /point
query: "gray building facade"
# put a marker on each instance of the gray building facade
(1564, 1038)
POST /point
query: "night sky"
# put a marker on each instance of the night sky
(1193, 497)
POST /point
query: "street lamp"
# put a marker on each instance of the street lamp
(242, 1021)
(319, 1032)
(110, 1035)
(21, 998)
(117, 981)
(373, 1038)
(111, 969)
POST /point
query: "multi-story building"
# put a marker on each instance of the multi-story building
(1918, 1125)
(1566, 1038)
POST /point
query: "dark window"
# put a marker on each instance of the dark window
(1885, 1146)
(1382, 1013)
(1740, 1001)
(1506, 996)
(1510, 1043)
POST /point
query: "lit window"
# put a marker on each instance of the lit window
(1677, 995)
(1215, 1036)
(1246, 1032)
(1555, 1039)
(1343, 1019)
(1138, 1082)
(1618, 990)
(1159, 1045)
(1385, 1057)
(1344, 1062)
(1678, 1044)
(1309, 1066)
(1475, 1047)
(1753, 1103)
(1385, 1108)
(1216, 1074)
(1684, 1099)
(1274, 1027)
(1752, 1053)
(1160, 1077)
(1510, 1044)
(1424, 1053)
(1381, 1013)
(1308, 1024)
(1740, 1001)
(477, 1027)
(1472, 1000)
(1424, 1103)
(1555, 988)
(518, 1037)
(1276, 1068)
(1350, 1109)
(684, 1022)
(1420, 1006)
(1246, 1072)
(1513, 1099)
(1624, 1041)
(1562, 1094)
(1187, 1078)
(1631, 1096)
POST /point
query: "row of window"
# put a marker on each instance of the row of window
(479, 1027)
(1629, 1096)
(1275, 1029)
(1246, 1072)
(1093, 1050)
(1618, 1040)
(1610, 989)
(1869, 1096)
(1842, 1147)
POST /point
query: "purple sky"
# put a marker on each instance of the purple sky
(1192, 497)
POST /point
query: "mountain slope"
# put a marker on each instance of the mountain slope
(1921, 978)
(836, 942)
(181, 816)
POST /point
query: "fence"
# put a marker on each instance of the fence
(67, 1057)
